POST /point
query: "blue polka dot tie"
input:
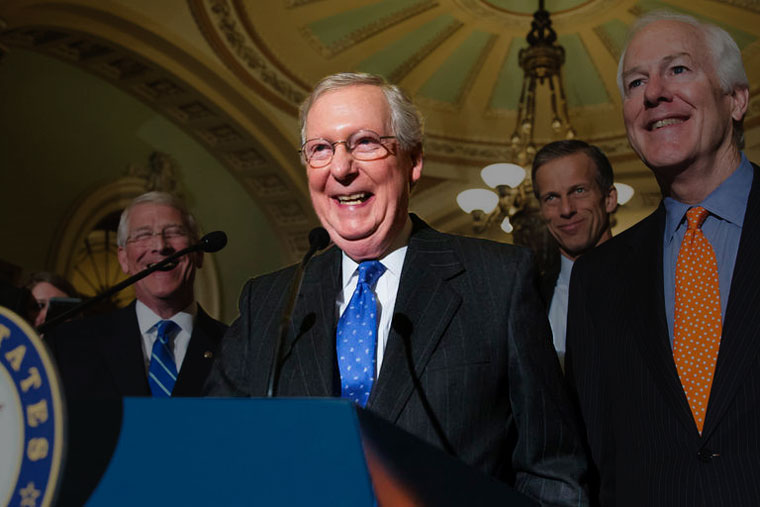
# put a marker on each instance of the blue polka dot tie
(356, 337)
(162, 372)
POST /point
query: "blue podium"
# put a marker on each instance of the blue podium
(282, 451)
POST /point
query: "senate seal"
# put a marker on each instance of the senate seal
(31, 416)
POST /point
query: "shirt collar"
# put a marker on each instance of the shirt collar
(147, 318)
(728, 201)
(393, 263)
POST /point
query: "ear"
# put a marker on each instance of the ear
(611, 200)
(122, 255)
(739, 103)
(416, 170)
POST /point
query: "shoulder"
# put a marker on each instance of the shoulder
(210, 325)
(428, 240)
(95, 323)
(626, 246)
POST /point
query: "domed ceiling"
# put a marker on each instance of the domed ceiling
(459, 60)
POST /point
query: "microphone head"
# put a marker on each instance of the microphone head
(318, 238)
(213, 241)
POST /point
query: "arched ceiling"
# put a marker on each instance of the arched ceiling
(458, 58)
(232, 73)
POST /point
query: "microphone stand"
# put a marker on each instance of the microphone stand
(204, 244)
(318, 239)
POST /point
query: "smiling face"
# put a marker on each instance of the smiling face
(676, 115)
(164, 292)
(362, 204)
(574, 208)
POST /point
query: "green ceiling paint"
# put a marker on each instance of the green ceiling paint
(410, 48)
(449, 82)
(530, 6)
(332, 30)
(742, 38)
(506, 93)
(583, 85)
(613, 34)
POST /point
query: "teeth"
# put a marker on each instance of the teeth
(664, 123)
(353, 199)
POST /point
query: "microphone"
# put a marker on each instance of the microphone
(211, 242)
(318, 240)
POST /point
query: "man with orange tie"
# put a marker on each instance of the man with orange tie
(663, 328)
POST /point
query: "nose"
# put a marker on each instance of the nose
(159, 242)
(566, 207)
(656, 90)
(342, 165)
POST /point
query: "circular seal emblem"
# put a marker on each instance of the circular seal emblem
(31, 416)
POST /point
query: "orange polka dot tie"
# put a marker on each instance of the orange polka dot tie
(697, 322)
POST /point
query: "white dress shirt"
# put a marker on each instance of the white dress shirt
(558, 308)
(385, 292)
(147, 321)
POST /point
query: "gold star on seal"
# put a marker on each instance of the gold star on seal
(29, 495)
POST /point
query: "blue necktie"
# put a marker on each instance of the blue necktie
(162, 373)
(356, 337)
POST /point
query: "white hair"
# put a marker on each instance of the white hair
(156, 198)
(406, 120)
(723, 50)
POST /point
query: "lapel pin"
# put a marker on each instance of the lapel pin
(208, 354)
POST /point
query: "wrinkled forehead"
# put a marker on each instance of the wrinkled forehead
(664, 39)
(148, 215)
(355, 107)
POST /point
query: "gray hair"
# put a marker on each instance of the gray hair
(406, 120)
(157, 198)
(725, 54)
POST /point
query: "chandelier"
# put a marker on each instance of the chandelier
(512, 205)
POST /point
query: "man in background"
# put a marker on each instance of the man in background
(573, 183)
(163, 343)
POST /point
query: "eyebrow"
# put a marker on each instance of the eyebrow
(664, 61)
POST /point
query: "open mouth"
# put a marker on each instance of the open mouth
(665, 123)
(353, 199)
(168, 267)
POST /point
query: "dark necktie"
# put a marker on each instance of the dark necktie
(356, 336)
(162, 373)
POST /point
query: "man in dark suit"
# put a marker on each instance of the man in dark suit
(121, 353)
(573, 183)
(443, 336)
(663, 341)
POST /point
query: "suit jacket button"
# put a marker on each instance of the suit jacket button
(705, 455)
(208, 354)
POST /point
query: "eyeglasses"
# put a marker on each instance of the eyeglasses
(169, 232)
(362, 145)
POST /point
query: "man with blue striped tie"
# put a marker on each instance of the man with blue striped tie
(163, 343)
(443, 336)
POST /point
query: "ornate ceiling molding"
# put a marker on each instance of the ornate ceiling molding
(191, 111)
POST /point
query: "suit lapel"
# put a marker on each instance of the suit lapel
(199, 357)
(121, 346)
(649, 324)
(424, 307)
(740, 341)
(312, 328)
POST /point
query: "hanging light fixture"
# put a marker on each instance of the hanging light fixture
(542, 63)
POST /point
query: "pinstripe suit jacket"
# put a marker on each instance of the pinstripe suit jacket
(101, 357)
(643, 439)
(468, 366)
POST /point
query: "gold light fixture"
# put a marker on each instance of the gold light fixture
(512, 205)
